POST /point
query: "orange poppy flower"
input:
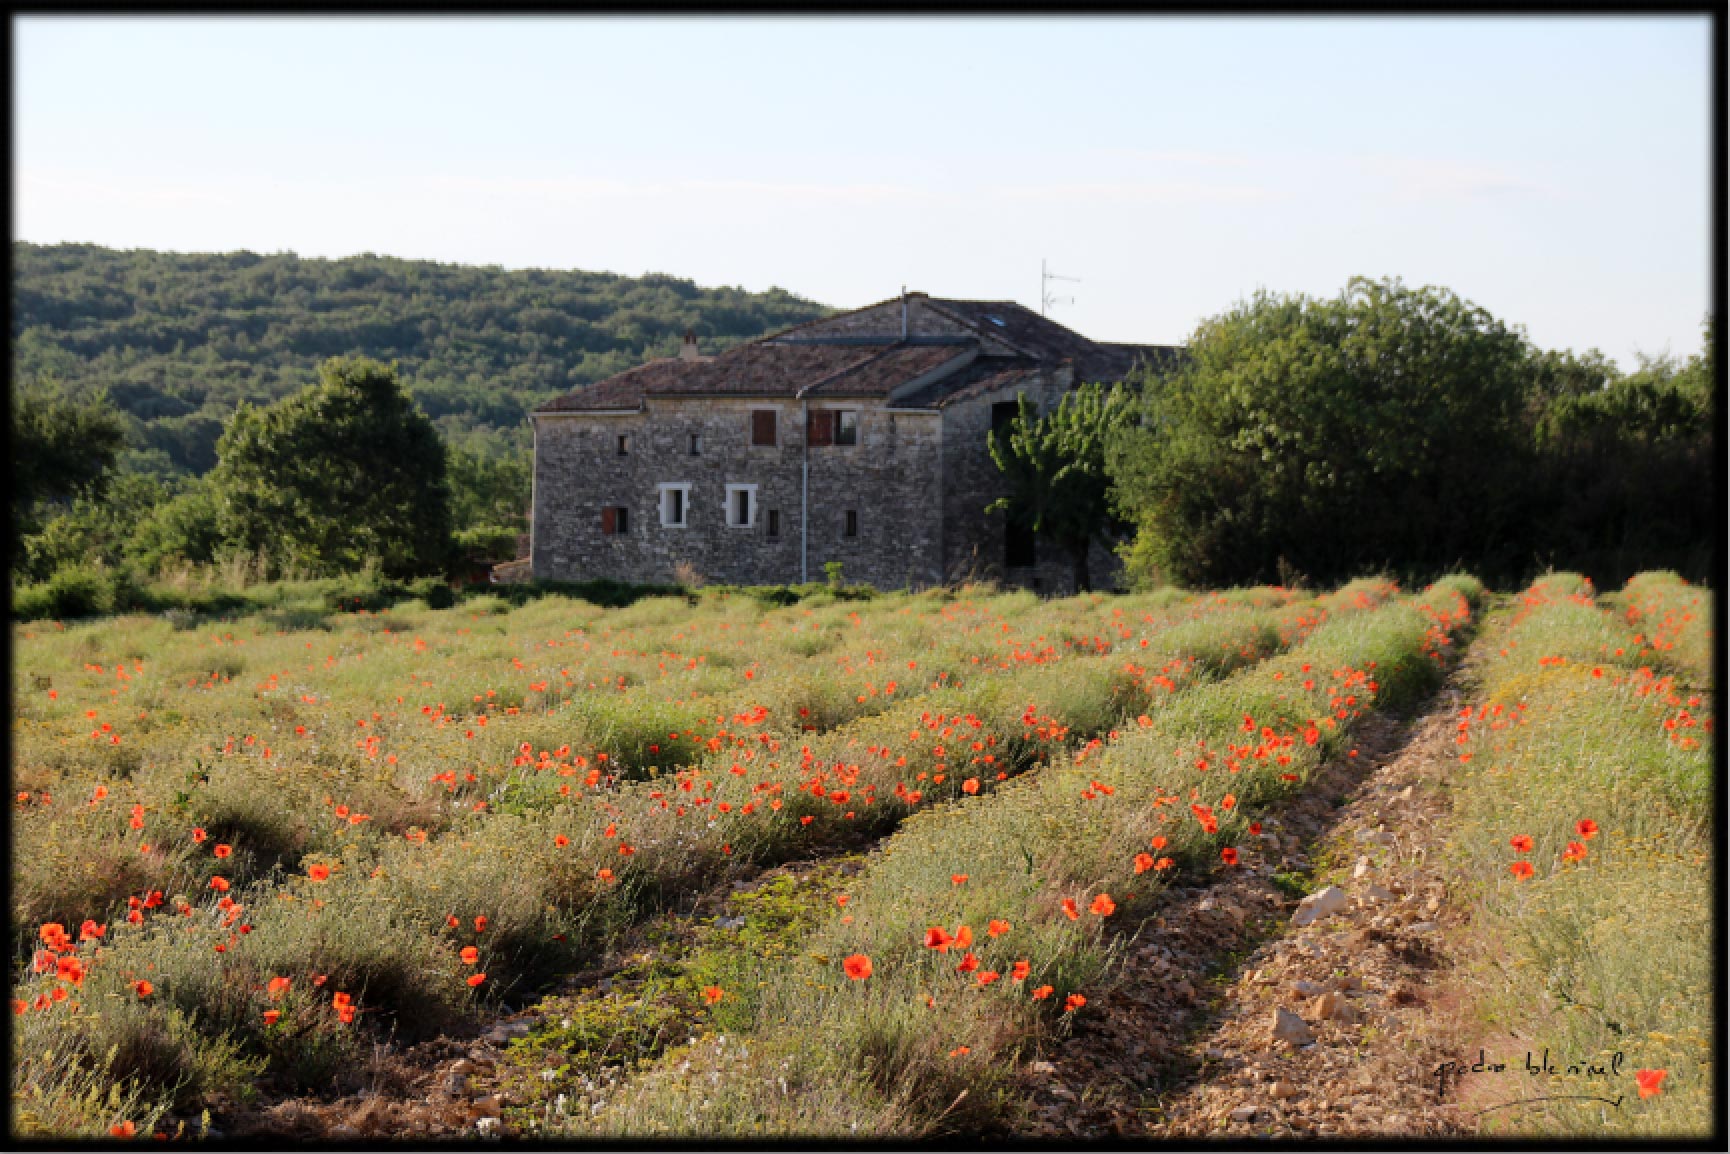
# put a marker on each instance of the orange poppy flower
(123, 1130)
(1019, 971)
(968, 963)
(958, 879)
(278, 987)
(1070, 910)
(224, 850)
(996, 928)
(1042, 993)
(561, 840)
(1521, 870)
(1650, 1081)
(1522, 843)
(857, 967)
(1143, 862)
(481, 924)
(319, 873)
(1103, 906)
(1159, 843)
(271, 1017)
(1586, 828)
(713, 994)
(477, 979)
(963, 937)
(1228, 855)
(937, 938)
(143, 988)
(470, 955)
(1073, 1003)
(960, 1051)
(1576, 851)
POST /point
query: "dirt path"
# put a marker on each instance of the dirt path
(1183, 1045)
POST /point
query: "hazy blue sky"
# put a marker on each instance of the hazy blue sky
(1555, 171)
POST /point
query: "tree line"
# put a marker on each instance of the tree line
(1387, 429)
(130, 369)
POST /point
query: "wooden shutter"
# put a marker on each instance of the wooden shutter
(609, 520)
(821, 430)
(763, 426)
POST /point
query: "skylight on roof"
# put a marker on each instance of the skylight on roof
(996, 320)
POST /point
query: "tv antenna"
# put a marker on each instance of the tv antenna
(1046, 300)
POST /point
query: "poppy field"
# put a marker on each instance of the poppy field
(249, 853)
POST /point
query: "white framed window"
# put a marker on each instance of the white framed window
(675, 504)
(741, 506)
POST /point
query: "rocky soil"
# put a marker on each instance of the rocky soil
(1243, 1011)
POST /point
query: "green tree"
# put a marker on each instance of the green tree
(1377, 429)
(489, 491)
(344, 473)
(61, 449)
(1055, 466)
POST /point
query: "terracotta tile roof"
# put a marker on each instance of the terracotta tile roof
(765, 369)
(865, 365)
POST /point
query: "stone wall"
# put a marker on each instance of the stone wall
(889, 479)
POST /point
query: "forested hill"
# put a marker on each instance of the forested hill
(178, 339)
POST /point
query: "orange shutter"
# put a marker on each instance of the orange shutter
(609, 520)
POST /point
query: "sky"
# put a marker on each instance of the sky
(1555, 171)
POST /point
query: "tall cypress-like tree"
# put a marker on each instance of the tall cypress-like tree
(346, 472)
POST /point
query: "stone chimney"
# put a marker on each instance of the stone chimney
(688, 350)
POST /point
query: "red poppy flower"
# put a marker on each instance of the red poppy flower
(561, 840)
(470, 955)
(937, 938)
(319, 873)
(1586, 828)
(856, 966)
(198, 835)
(1522, 843)
(960, 1051)
(224, 850)
(713, 994)
(143, 988)
(1143, 862)
(123, 1129)
(1070, 910)
(958, 879)
(477, 979)
(1521, 870)
(996, 928)
(1103, 906)
(970, 786)
(1158, 843)
(1651, 1081)
(1228, 855)
(963, 937)
(1019, 971)
(481, 924)
(1073, 1003)
(278, 987)
(271, 1017)
(1576, 851)
(1042, 993)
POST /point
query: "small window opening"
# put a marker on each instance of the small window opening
(850, 527)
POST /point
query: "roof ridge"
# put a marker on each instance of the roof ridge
(847, 368)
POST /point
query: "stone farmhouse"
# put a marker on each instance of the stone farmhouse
(859, 438)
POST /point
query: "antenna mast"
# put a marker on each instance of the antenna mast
(1046, 300)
